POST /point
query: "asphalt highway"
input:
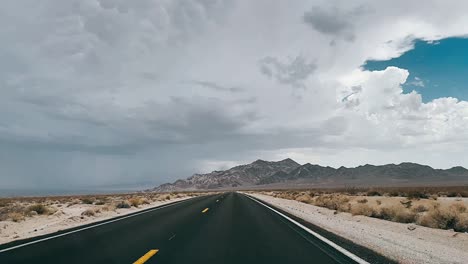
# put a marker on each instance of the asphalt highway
(223, 228)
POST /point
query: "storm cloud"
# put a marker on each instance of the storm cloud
(113, 92)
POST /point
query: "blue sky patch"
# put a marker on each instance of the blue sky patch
(438, 69)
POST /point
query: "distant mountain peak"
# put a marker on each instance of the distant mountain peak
(288, 172)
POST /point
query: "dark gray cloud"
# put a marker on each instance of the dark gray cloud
(293, 72)
(333, 21)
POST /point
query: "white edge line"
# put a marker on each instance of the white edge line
(330, 243)
(92, 226)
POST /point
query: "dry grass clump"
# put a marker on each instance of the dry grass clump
(135, 201)
(145, 201)
(461, 224)
(304, 198)
(332, 201)
(87, 200)
(109, 207)
(404, 216)
(362, 209)
(16, 217)
(420, 208)
(374, 193)
(88, 212)
(407, 203)
(438, 218)
(362, 201)
(40, 209)
(454, 217)
(458, 207)
(122, 204)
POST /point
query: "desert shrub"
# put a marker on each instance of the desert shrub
(362, 200)
(108, 208)
(407, 203)
(458, 207)
(38, 208)
(87, 200)
(461, 224)
(303, 198)
(420, 208)
(16, 217)
(100, 202)
(88, 212)
(417, 195)
(145, 201)
(73, 202)
(453, 194)
(387, 213)
(378, 202)
(396, 214)
(4, 203)
(330, 201)
(373, 193)
(394, 193)
(135, 201)
(404, 216)
(168, 197)
(362, 209)
(438, 218)
(122, 204)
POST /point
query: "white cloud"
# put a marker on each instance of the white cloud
(417, 82)
(179, 82)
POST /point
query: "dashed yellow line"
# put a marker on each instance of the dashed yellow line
(205, 210)
(146, 256)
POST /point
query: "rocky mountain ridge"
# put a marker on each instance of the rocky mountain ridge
(287, 172)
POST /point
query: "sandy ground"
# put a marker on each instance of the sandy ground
(405, 243)
(64, 218)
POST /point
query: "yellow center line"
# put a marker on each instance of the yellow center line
(205, 210)
(146, 256)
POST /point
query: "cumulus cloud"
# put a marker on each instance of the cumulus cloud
(97, 92)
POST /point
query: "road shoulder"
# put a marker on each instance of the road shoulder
(392, 240)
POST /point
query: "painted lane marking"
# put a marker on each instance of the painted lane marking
(92, 226)
(147, 256)
(217, 200)
(172, 237)
(329, 242)
(205, 210)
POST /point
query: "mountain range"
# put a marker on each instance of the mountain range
(288, 173)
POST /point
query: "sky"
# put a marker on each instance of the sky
(437, 68)
(137, 93)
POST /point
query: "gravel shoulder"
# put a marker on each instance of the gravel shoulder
(65, 218)
(404, 243)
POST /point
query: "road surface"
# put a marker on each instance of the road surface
(222, 228)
